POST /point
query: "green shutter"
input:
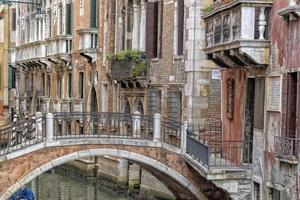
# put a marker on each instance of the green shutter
(69, 21)
(93, 14)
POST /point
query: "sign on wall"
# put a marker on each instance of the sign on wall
(215, 74)
(274, 94)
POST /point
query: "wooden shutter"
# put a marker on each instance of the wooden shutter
(93, 14)
(152, 29)
(259, 99)
(149, 29)
(180, 27)
(69, 21)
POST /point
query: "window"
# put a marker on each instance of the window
(49, 23)
(256, 191)
(70, 85)
(11, 77)
(48, 85)
(13, 19)
(274, 194)
(259, 100)
(43, 84)
(180, 26)
(69, 18)
(81, 78)
(60, 12)
(152, 29)
(59, 92)
(291, 105)
(94, 14)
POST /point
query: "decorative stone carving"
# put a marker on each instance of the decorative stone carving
(230, 98)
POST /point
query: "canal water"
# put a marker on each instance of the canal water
(55, 186)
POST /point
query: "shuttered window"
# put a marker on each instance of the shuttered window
(180, 27)
(69, 17)
(152, 29)
(259, 99)
(13, 20)
(94, 14)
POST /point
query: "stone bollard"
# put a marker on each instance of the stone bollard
(136, 123)
(39, 125)
(184, 137)
(157, 121)
(49, 127)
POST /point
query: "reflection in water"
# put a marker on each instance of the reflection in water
(51, 186)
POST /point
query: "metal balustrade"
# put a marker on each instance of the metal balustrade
(72, 125)
(21, 134)
(205, 145)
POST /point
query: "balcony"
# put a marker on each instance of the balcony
(88, 43)
(286, 149)
(60, 48)
(29, 54)
(291, 12)
(237, 34)
(129, 68)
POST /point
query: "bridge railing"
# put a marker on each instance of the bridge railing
(103, 125)
(21, 134)
(171, 132)
(206, 145)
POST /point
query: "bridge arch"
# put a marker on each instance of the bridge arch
(176, 182)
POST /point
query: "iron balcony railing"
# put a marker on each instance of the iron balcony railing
(286, 147)
(205, 145)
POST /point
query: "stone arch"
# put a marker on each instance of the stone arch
(126, 106)
(157, 168)
(138, 105)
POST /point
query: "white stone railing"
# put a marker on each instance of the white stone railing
(245, 22)
(88, 38)
(33, 50)
(60, 44)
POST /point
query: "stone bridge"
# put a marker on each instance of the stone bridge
(36, 145)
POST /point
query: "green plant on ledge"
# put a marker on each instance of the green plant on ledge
(137, 57)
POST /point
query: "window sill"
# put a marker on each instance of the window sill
(290, 13)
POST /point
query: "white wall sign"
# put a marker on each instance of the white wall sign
(215, 74)
(274, 93)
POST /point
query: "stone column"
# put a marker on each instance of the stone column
(136, 25)
(142, 43)
(183, 137)
(136, 123)
(123, 170)
(49, 127)
(262, 23)
(39, 125)
(157, 120)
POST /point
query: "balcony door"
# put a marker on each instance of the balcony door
(291, 105)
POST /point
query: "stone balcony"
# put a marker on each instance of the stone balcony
(59, 48)
(291, 12)
(31, 54)
(237, 33)
(88, 43)
(128, 74)
(287, 149)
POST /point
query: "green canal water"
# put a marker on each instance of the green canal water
(54, 186)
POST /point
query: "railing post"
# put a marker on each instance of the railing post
(49, 127)
(38, 125)
(136, 120)
(157, 121)
(184, 137)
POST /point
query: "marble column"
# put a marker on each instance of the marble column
(142, 43)
(136, 25)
